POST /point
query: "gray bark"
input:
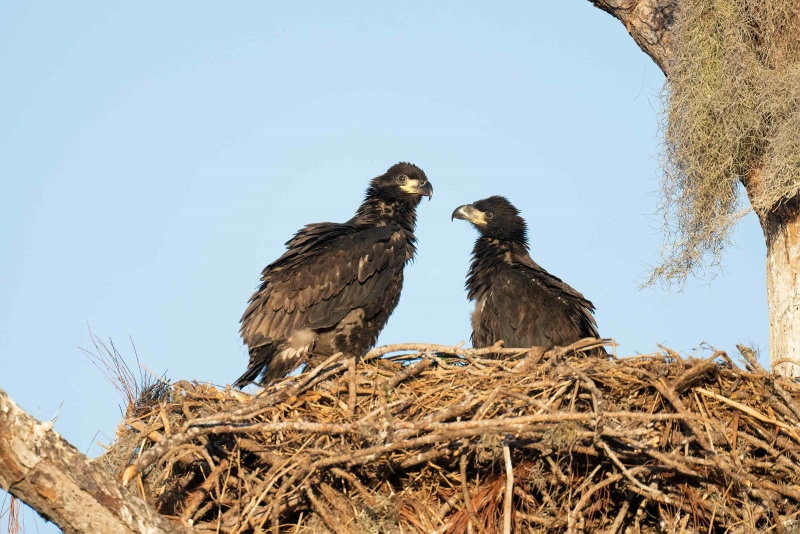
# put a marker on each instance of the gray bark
(48, 474)
(782, 232)
(649, 22)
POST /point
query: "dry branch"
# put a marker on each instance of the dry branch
(649, 22)
(55, 479)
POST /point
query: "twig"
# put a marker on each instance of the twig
(573, 516)
(471, 516)
(197, 497)
(509, 497)
(749, 411)
(623, 511)
(668, 393)
(629, 474)
(409, 371)
(351, 398)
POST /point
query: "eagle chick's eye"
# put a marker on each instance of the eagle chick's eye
(402, 179)
(489, 215)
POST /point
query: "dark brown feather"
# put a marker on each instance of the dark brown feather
(336, 285)
(516, 300)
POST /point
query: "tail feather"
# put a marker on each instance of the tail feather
(268, 363)
(260, 358)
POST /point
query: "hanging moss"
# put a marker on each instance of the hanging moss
(731, 113)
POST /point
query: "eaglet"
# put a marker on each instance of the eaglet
(336, 285)
(516, 300)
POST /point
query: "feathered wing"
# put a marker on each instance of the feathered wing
(328, 271)
(526, 306)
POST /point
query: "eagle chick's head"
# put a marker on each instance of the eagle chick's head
(494, 217)
(403, 182)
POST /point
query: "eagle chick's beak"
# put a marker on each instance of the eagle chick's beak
(468, 212)
(419, 187)
(426, 189)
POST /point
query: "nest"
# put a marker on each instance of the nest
(425, 438)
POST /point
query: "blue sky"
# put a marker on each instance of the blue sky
(154, 157)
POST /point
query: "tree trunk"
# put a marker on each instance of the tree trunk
(650, 24)
(48, 474)
(782, 233)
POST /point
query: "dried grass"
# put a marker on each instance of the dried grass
(13, 512)
(731, 114)
(139, 391)
(654, 443)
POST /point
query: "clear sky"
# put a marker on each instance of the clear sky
(155, 156)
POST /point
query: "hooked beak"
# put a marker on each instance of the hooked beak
(467, 212)
(426, 189)
(419, 187)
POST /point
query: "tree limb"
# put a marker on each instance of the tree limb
(649, 22)
(48, 474)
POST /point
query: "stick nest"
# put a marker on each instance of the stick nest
(426, 438)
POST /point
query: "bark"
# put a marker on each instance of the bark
(650, 23)
(782, 233)
(48, 474)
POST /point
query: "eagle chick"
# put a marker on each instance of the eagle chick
(516, 300)
(335, 287)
